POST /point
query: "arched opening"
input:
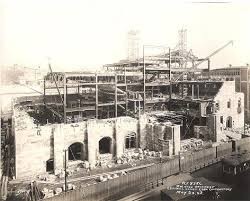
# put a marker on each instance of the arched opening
(50, 165)
(229, 122)
(130, 141)
(75, 151)
(239, 102)
(105, 145)
(209, 109)
(229, 103)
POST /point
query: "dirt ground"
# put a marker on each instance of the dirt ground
(79, 178)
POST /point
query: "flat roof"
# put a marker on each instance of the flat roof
(237, 159)
(231, 68)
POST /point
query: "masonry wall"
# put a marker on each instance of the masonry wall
(32, 146)
(226, 93)
(64, 136)
(116, 129)
(163, 137)
(227, 115)
(36, 144)
(217, 122)
(215, 131)
(201, 132)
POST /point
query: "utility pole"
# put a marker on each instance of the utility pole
(65, 170)
(0, 137)
(144, 80)
(170, 80)
(179, 161)
(244, 128)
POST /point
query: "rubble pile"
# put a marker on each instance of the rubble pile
(46, 177)
(107, 177)
(50, 193)
(22, 119)
(247, 129)
(72, 169)
(47, 193)
(191, 144)
(138, 155)
(242, 131)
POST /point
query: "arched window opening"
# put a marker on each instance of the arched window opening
(239, 102)
(209, 109)
(217, 106)
(75, 151)
(229, 122)
(229, 103)
(105, 145)
(50, 165)
(239, 106)
(130, 141)
(221, 119)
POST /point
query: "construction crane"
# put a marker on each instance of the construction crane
(205, 59)
(61, 98)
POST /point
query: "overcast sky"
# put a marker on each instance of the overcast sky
(91, 33)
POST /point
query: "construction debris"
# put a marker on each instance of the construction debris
(191, 144)
(58, 191)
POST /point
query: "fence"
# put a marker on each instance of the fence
(242, 144)
(116, 188)
(140, 179)
(224, 149)
(195, 160)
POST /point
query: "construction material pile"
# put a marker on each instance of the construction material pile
(191, 144)
(138, 154)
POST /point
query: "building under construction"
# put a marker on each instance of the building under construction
(150, 103)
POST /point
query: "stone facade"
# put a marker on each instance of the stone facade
(241, 75)
(163, 137)
(228, 114)
(36, 145)
(231, 105)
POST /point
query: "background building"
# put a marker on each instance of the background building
(241, 75)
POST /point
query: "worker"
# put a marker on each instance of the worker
(88, 171)
(160, 155)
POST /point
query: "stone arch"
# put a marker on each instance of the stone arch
(105, 145)
(76, 151)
